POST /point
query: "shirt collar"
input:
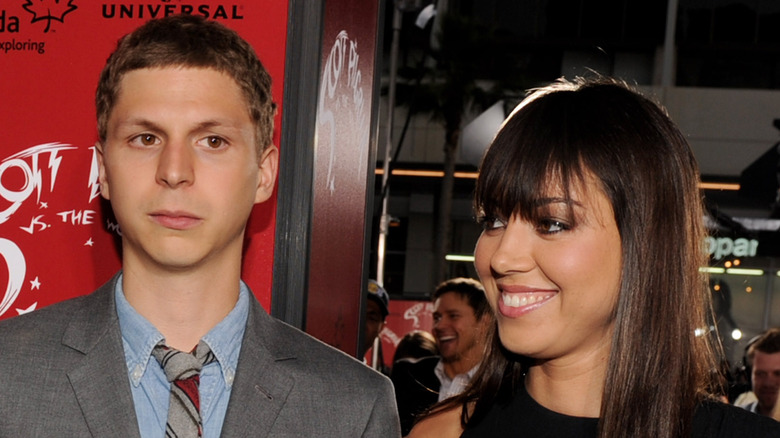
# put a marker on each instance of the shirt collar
(224, 339)
(139, 336)
(443, 377)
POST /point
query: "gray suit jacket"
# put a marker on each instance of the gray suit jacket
(63, 374)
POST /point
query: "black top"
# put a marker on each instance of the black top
(524, 417)
(416, 388)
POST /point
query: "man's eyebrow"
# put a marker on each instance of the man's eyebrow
(141, 122)
(210, 124)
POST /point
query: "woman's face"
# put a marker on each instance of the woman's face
(553, 285)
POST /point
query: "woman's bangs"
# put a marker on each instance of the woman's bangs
(525, 163)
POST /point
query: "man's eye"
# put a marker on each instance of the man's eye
(145, 139)
(213, 142)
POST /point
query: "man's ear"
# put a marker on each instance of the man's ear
(102, 171)
(269, 166)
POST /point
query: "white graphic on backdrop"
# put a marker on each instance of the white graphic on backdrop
(94, 177)
(17, 267)
(418, 312)
(22, 177)
(341, 93)
(32, 174)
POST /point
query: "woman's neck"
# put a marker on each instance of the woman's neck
(569, 387)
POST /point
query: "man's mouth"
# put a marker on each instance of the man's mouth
(175, 220)
(444, 339)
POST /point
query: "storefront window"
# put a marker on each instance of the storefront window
(746, 300)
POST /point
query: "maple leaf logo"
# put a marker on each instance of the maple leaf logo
(49, 10)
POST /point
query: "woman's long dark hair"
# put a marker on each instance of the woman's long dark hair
(658, 368)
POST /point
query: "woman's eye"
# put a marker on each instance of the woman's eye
(490, 223)
(552, 226)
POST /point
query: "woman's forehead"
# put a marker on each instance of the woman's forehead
(577, 189)
(572, 183)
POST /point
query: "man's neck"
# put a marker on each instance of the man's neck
(765, 412)
(458, 366)
(182, 305)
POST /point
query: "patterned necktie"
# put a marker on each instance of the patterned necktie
(183, 371)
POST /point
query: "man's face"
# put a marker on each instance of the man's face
(180, 167)
(458, 333)
(375, 322)
(766, 379)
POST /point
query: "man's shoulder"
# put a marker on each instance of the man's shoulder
(83, 306)
(314, 357)
(316, 382)
(83, 317)
(714, 418)
(35, 343)
(53, 317)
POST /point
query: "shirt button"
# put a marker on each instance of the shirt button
(138, 371)
(229, 376)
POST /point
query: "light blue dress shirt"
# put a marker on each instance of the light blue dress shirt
(149, 386)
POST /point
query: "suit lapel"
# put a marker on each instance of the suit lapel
(262, 383)
(100, 381)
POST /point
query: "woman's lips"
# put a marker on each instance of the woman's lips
(517, 301)
(524, 299)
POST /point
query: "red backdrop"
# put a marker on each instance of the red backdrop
(56, 241)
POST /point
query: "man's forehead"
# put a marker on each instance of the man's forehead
(453, 298)
(766, 361)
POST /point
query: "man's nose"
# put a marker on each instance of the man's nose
(175, 166)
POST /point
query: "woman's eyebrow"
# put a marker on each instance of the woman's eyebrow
(541, 202)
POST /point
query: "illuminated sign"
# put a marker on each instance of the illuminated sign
(720, 247)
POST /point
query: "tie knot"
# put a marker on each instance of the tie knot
(179, 365)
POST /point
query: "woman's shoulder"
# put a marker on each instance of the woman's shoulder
(444, 424)
(716, 419)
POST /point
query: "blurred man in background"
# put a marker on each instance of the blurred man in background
(461, 318)
(763, 355)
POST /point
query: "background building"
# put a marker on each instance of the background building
(714, 64)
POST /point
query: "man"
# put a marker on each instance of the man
(763, 355)
(376, 316)
(461, 318)
(185, 121)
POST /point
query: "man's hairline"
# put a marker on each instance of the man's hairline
(464, 297)
(259, 148)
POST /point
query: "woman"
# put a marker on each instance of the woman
(415, 345)
(590, 256)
